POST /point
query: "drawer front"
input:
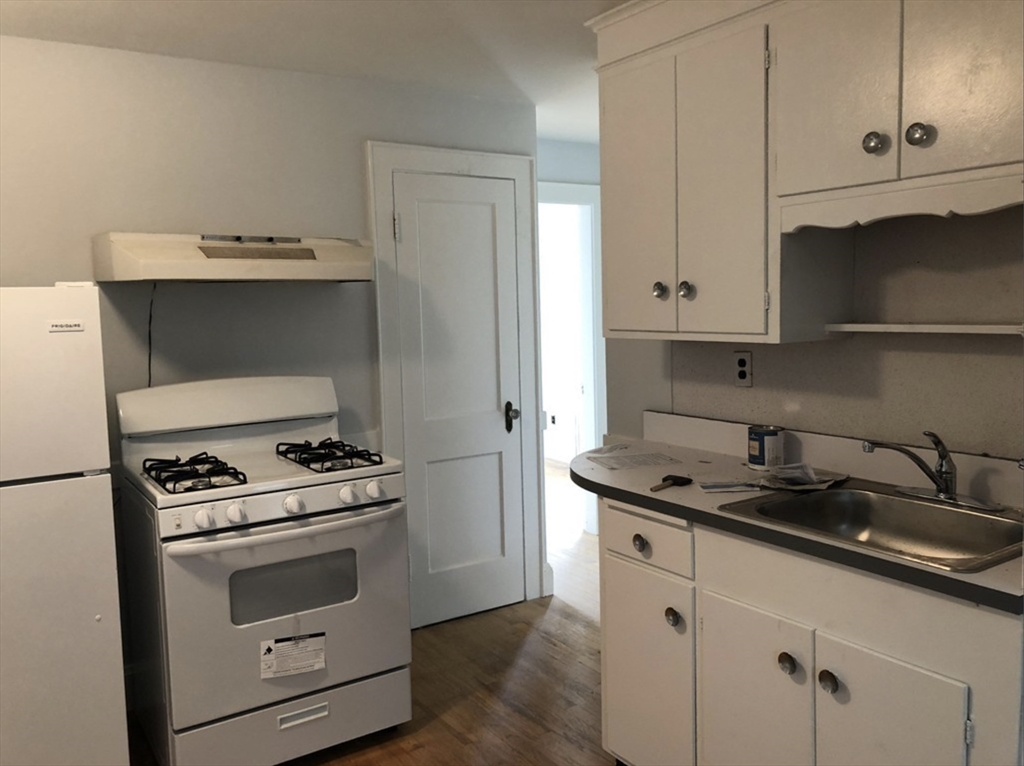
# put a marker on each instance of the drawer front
(661, 545)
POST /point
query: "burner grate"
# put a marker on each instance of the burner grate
(202, 471)
(328, 455)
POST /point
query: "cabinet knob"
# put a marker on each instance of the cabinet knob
(917, 134)
(659, 290)
(787, 664)
(685, 289)
(673, 618)
(639, 542)
(828, 681)
(873, 142)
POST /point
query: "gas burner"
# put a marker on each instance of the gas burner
(328, 455)
(201, 471)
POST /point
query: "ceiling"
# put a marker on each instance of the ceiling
(536, 51)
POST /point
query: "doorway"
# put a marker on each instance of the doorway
(572, 379)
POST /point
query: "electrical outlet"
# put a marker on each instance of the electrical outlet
(742, 368)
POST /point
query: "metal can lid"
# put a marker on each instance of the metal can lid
(755, 429)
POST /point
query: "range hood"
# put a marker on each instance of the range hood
(118, 256)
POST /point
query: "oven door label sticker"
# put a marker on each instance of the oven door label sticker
(292, 655)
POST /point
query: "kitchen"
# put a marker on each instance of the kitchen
(160, 144)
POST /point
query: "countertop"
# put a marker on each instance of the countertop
(628, 470)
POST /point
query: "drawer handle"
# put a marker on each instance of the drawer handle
(639, 542)
(828, 681)
(289, 720)
(673, 618)
(787, 664)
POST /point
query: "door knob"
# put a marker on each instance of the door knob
(672, 617)
(787, 664)
(659, 290)
(511, 413)
(685, 289)
(639, 542)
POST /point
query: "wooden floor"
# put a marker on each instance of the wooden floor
(516, 685)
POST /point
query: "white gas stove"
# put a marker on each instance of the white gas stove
(274, 620)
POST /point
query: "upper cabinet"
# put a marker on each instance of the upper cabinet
(688, 237)
(742, 140)
(873, 92)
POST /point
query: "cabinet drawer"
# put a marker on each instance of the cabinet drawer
(661, 545)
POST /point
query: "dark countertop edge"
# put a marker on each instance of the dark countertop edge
(978, 594)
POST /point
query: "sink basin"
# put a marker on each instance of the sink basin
(874, 517)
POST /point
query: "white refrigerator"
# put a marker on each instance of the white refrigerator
(62, 698)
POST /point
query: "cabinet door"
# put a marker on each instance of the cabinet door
(722, 206)
(752, 711)
(963, 75)
(886, 711)
(647, 685)
(638, 195)
(836, 78)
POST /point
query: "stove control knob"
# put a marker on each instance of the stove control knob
(203, 519)
(294, 504)
(347, 494)
(235, 513)
(373, 489)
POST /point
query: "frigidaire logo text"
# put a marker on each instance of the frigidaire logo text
(67, 325)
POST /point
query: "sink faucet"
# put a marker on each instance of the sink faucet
(943, 476)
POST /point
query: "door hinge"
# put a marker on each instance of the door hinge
(398, 227)
(700, 624)
(767, 59)
(767, 301)
(969, 731)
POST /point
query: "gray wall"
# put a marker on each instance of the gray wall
(95, 140)
(967, 388)
(568, 162)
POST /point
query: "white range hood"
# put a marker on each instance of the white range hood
(118, 256)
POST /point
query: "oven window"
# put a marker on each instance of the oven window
(299, 585)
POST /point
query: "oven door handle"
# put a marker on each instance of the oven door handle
(179, 550)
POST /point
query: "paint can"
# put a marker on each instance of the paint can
(764, 447)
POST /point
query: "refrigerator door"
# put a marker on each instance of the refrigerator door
(62, 698)
(53, 416)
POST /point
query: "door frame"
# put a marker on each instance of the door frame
(386, 159)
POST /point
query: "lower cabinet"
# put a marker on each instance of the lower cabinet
(647, 659)
(773, 691)
(722, 650)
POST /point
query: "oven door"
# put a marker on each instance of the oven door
(257, 616)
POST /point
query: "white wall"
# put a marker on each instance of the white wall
(95, 140)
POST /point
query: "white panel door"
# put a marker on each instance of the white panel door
(722, 204)
(752, 711)
(647, 664)
(885, 711)
(456, 253)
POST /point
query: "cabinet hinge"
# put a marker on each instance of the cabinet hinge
(700, 624)
(767, 301)
(398, 227)
(969, 731)
(767, 59)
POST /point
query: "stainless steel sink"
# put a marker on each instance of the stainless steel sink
(871, 516)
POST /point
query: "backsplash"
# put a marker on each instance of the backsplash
(967, 388)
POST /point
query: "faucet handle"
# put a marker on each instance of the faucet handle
(938, 444)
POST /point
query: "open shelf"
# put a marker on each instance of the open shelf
(938, 329)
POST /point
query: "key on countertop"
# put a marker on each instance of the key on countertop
(671, 481)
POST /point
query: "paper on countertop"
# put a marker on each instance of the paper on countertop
(728, 485)
(797, 476)
(801, 478)
(645, 460)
